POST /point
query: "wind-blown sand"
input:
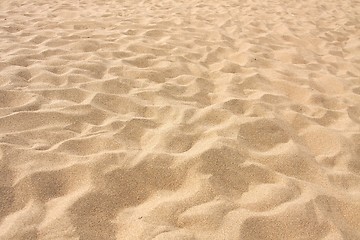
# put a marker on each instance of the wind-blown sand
(179, 119)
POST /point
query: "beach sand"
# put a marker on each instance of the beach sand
(179, 120)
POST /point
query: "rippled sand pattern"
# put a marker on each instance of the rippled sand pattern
(179, 120)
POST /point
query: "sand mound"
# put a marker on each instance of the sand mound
(179, 120)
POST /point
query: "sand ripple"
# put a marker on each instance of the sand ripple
(179, 119)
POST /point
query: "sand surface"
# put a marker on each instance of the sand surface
(179, 120)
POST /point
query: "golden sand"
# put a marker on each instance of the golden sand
(179, 120)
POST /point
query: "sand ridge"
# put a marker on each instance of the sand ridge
(179, 119)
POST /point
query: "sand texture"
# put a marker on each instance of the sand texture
(179, 119)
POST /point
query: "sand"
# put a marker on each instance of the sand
(179, 120)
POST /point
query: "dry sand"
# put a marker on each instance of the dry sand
(179, 119)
